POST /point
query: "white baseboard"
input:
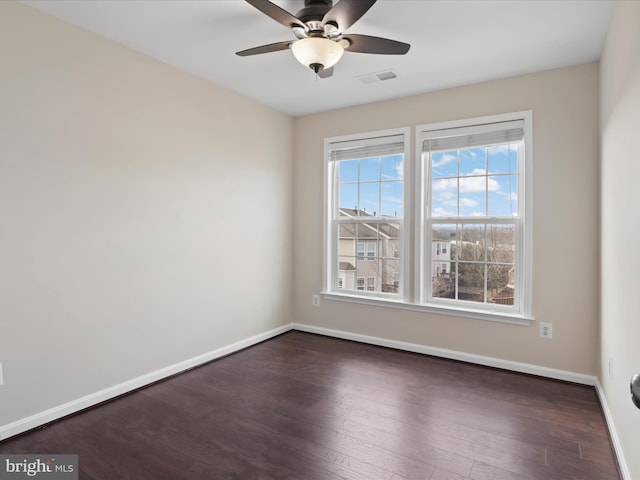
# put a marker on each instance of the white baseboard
(617, 447)
(454, 355)
(90, 400)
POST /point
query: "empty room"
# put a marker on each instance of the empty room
(316, 240)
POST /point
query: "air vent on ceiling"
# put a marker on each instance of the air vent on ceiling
(376, 77)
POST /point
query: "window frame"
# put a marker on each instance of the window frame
(521, 312)
(330, 240)
(413, 266)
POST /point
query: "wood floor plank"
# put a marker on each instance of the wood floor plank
(307, 407)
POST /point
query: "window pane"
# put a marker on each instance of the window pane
(443, 285)
(370, 198)
(500, 284)
(348, 170)
(474, 184)
(362, 191)
(389, 240)
(347, 272)
(369, 169)
(391, 167)
(471, 282)
(503, 196)
(390, 275)
(392, 195)
(472, 162)
(473, 204)
(440, 269)
(444, 197)
(501, 243)
(348, 199)
(367, 268)
(503, 158)
(366, 232)
(346, 239)
(444, 164)
(472, 243)
(443, 239)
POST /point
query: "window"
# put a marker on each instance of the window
(366, 249)
(468, 195)
(371, 284)
(472, 178)
(366, 198)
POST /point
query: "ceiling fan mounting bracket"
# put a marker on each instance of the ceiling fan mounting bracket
(314, 10)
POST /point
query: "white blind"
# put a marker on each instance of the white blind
(366, 147)
(475, 136)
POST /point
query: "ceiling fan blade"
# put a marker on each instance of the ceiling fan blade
(272, 47)
(347, 12)
(382, 46)
(278, 14)
(325, 72)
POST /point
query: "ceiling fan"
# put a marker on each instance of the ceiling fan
(319, 30)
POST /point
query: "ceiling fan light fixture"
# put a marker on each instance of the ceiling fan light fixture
(317, 52)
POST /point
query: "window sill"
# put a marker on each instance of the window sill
(491, 316)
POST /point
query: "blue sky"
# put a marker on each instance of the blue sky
(487, 183)
(373, 184)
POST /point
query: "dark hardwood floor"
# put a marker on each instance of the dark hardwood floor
(307, 407)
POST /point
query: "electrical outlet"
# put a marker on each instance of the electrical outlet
(546, 330)
(315, 300)
(610, 367)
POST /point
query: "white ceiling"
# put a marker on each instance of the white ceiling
(453, 43)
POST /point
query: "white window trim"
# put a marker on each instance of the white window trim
(329, 264)
(524, 276)
(410, 294)
(490, 315)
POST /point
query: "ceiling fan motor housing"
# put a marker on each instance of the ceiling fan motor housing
(314, 10)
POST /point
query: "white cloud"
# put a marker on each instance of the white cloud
(399, 171)
(447, 195)
(504, 148)
(444, 184)
(468, 202)
(441, 212)
(467, 184)
(478, 184)
(444, 159)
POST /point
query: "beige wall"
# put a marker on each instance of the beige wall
(133, 197)
(565, 205)
(140, 209)
(620, 171)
